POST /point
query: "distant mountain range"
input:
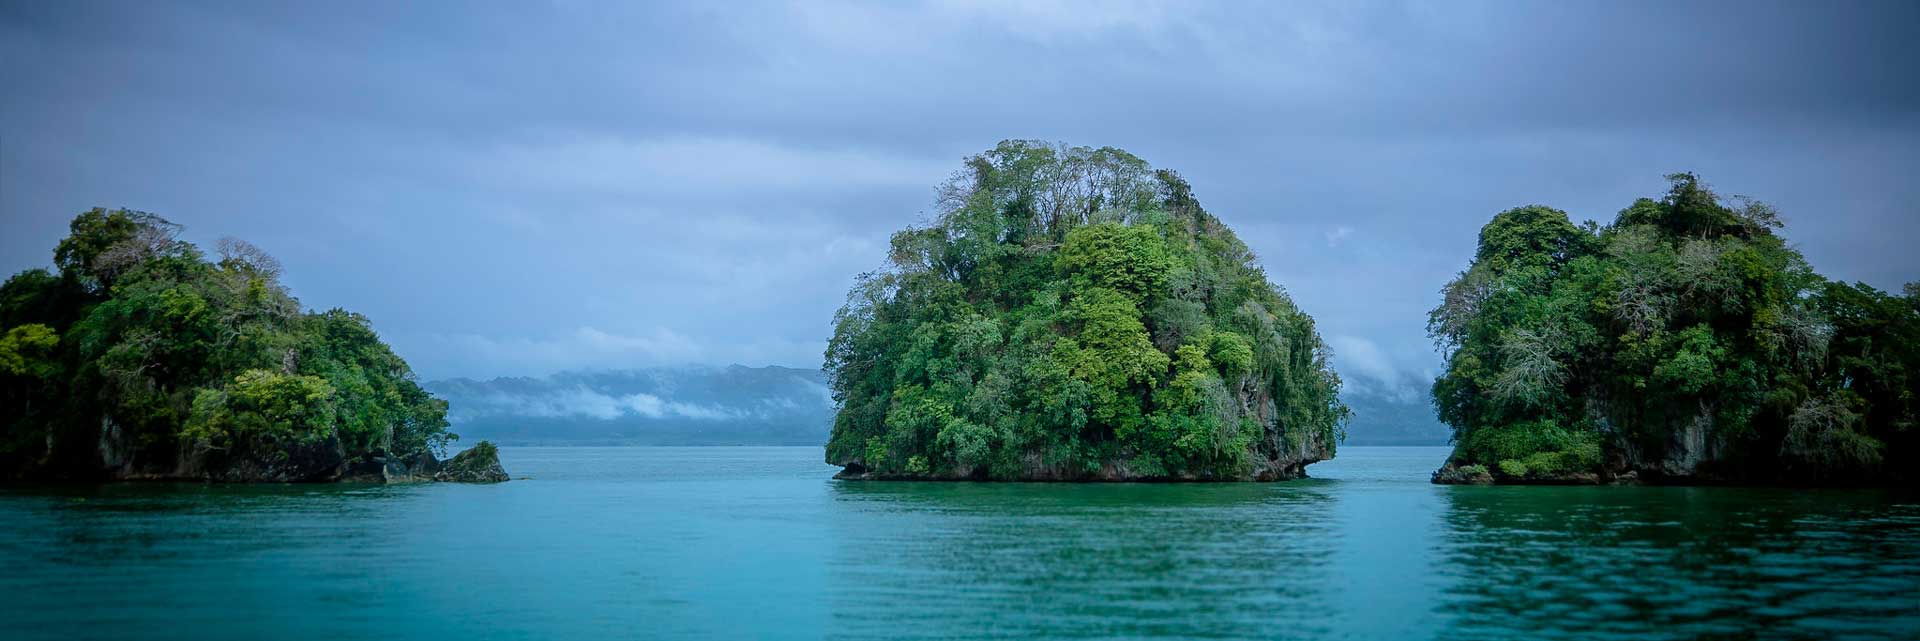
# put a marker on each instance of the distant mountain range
(733, 405)
(739, 405)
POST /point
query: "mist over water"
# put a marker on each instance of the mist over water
(760, 543)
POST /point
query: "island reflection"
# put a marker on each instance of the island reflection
(1670, 562)
(921, 560)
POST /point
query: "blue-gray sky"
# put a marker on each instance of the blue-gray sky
(524, 187)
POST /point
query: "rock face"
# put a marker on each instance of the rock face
(1451, 474)
(1455, 473)
(324, 461)
(479, 464)
(391, 469)
(1691, 453)
(316, 462)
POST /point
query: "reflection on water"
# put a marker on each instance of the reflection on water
(111, 525)
(164, 560)
(951, 560)
(1638, 563)
(758, 543)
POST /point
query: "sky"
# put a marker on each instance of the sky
(520, 188)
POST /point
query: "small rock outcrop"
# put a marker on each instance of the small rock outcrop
(1463, 475)
(479, 464)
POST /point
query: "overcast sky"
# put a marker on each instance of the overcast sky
(525, 187)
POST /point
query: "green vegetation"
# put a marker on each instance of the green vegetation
(1073, 313)
(140, 357)
(1685, 341)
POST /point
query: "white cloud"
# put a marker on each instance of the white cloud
(1368, 370)
(584, 402)
(1337, 234)
(1356, 356)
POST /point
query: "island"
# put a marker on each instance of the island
(1687, 342)
(1073, 314)
(139, 357)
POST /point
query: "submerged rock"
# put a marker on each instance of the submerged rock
(479, 464)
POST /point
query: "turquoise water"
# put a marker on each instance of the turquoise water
(758, 543)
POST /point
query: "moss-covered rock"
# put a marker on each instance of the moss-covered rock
(478, 464)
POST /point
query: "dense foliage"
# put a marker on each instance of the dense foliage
(1686, 340)
(140, 356)
(1074, 313)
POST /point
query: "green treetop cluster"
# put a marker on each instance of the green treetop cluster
(1073, 313)
(1686, 340)
(140, 356)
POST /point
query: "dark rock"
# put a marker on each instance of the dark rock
(319, 461)
(1452, 474)
(424, 466)
(479, 464)
(381, 468)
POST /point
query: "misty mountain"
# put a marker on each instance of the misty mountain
(739, 405)
(1393, 419)
(734, 405)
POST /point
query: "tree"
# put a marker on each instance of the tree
(1073, 313)
(141, 354)
(1685, 339)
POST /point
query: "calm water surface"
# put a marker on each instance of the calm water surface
(746, 543)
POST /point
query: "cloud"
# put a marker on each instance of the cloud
(579, 401)
(534, 187)
(1368, 370)
(478, 355)
(1354, 355)
(1337, 234)
(687, 392)
(683, 164)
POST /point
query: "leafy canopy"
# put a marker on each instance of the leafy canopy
(1686, 328)
(1072, 310)
(187, 357)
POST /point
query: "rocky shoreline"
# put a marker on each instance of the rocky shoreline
(324, 461)
(1451, 474)
(478, 464)
(1454, 474)
(1276, 462)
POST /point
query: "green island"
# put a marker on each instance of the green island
(1073, 314)
(140, 358)
(1686, 342)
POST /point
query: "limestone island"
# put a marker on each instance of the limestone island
(1686, 342)
(141, 358)
(1072, 314)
